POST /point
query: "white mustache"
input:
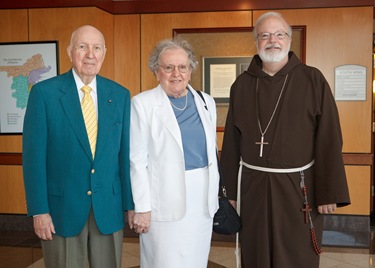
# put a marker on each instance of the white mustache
(273, 46)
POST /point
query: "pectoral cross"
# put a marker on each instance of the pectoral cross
(306, 210)
(261, 143)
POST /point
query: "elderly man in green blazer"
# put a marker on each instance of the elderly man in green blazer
(78, 187)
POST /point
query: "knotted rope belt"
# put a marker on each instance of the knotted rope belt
(307, 208)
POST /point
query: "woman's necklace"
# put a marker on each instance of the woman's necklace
(183, 108)
(262, 133)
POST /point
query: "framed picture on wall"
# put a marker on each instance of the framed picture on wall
(22, 65)
(219, 73)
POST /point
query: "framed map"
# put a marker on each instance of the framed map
(22, 65)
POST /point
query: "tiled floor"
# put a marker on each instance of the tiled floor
(22, 250)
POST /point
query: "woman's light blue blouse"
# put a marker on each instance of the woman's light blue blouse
(192, 132)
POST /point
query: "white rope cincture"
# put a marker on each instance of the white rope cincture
(270, 170)
(238, 208)
(278, 170)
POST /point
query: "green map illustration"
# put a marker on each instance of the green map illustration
(24, 77)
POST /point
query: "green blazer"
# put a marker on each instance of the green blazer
(60, 175)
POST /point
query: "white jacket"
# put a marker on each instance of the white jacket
(157, 166)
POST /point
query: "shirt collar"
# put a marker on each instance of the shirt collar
(80, 84)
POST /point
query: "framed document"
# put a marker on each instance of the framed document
(22, 65)
(219, 74)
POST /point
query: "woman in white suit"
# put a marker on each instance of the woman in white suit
(174, 169)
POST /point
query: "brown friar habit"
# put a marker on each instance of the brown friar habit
(305, 127)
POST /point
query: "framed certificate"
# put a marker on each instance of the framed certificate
(220, 73)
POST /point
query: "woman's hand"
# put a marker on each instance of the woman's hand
(142, 222)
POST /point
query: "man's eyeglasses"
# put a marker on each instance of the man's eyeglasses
(278, 35)
(170, 68)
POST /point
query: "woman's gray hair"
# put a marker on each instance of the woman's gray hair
(267, 15)
(163, 45)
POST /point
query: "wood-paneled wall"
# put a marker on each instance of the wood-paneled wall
(334, 36)
(12, 192)
(127, 43)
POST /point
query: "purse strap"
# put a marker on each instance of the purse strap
(201, 95)
(222, 186)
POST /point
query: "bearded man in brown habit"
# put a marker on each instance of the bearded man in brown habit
(283, 128)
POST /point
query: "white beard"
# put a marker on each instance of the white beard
(273, 56)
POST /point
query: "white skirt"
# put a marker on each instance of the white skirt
(184, 243)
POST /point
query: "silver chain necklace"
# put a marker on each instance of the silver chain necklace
(183, 108)
(262, 133)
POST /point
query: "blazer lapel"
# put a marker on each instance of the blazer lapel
(164, 112)
(72, 107)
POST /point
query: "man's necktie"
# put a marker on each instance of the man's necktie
(89, 115)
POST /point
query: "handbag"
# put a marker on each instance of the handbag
(226, 219)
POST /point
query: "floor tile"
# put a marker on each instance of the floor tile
(22, 250)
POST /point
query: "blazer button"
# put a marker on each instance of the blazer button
(88, 192)
(93, 171)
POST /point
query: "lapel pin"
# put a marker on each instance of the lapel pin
(109, 101)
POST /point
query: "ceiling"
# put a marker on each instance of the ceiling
(166, 6)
